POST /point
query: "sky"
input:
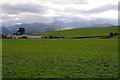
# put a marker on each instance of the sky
(47, 11)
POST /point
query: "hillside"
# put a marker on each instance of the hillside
(82, 31)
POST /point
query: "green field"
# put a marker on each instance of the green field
(61, 58)
(83, 32)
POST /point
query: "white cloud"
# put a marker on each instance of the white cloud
(108, 14)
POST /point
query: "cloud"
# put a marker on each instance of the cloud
(66, 1)
(99, 9)
(21, 11)
(23, 8)
(8, 20)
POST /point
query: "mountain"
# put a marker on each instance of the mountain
(4, 30)
(34, 27)
(0, 30)
(57, 25)
(76, 24)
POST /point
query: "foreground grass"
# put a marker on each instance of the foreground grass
(62, 58)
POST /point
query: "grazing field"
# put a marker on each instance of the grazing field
(83, 32)
(60, 58)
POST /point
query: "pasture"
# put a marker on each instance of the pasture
(60, 58)
(83, 32)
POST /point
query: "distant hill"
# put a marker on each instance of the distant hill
(4, 30)
(82, 32)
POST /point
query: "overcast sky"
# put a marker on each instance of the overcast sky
(29, 11)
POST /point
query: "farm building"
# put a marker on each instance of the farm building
(26, 36)
(9, 36)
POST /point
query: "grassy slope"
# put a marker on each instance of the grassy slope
(82, 32)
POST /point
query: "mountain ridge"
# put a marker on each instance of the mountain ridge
(54, 26)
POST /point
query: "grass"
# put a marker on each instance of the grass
(60, 58)
(83, 32)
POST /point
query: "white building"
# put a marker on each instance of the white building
(26, 36)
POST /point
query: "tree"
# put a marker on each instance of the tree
(21, 31)
(111, 33)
